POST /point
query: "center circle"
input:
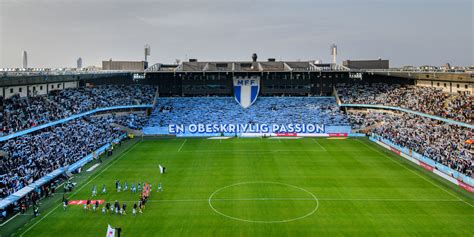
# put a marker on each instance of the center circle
(263, 202)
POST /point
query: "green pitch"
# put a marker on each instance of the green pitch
(266, 187)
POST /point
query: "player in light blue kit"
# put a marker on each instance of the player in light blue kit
(125, 186)
(94, 191)
(160, 189)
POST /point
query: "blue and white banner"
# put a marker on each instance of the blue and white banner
(245, 128)
(246, 90)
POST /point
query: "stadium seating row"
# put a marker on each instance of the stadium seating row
(423, 99)
(21, 113)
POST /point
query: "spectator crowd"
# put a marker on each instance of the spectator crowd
(21, 113)
(32, 156)
(423, 99)
(442, 142)
(134, 121)
(27, 158)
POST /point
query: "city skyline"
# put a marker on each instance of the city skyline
(55, 33)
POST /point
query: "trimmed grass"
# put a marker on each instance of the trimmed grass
(267, 187)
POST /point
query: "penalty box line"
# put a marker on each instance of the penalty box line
(316, 141)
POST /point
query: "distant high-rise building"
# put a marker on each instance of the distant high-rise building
(25, 60)
(334, 53)
(79, 63)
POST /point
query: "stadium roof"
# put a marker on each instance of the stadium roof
(246, 66)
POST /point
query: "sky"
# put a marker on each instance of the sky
(407, 32)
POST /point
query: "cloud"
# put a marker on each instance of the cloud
(56, 32)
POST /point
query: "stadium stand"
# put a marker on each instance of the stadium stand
(25, 112)
(224, 110)
(423, 99)
(133, 121)
(32, 156)
(441, 142)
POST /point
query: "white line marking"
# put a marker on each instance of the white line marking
(263, 199)
(306, 199)
(179, 150)
(92, 167)
(218, 138)
(253, 151)
(314, 140)
(429, 181)
(261, 221)
(10, 219)
(84, 185)
(389, 200)
(34, 224)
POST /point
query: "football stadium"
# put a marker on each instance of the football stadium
(226, 143)
(237, 149)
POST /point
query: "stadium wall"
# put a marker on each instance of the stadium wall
(448, 86)
(35, 89)
(443, 171)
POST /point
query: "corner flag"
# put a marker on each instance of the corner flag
(110, 232)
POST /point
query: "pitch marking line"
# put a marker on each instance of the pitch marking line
(253, 151)
(182, 144)
(314, 140)
(84, 185)
(10, 219)
(429, 181)
(305, 199)
(263, 199)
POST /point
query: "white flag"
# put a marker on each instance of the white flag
(110, 232)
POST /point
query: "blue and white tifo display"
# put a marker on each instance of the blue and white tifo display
(268, 116)
(246, 90)
(244, 128)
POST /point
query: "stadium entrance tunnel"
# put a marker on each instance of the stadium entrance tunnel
(263, 202)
